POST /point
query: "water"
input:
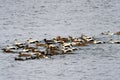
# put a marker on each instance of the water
(40, 19)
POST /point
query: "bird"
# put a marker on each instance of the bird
(98, 42)
(9, 49)
(30, 41)
(117, 33)
(114, 41)
(19, 44)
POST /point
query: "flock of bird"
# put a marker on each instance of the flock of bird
(35, 49)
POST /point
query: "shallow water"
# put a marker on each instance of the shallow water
(47, 19)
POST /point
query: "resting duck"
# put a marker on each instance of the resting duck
(98, 42)
(52, 49)
(19, 59)
(59, 38)
(32, 55)
(30, 41)
(49, 41)
(25, 50)
(40, 55)
(58, 41)
(77, 43)
(9, 49)
(107, 33)
(117, 33)
(19, 44)
(67, 45)
(25, 54)
(39, 44)
(114, 42)
(16, 42)
(87, 39)
(30, 48)
(66, 48)
(77, 39)
(71, 38)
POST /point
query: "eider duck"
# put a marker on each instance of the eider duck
(98, 42)
(19, 44)
(107, 33)
(117, 33)
(114, 42)
(30, 41)
(9, 49)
